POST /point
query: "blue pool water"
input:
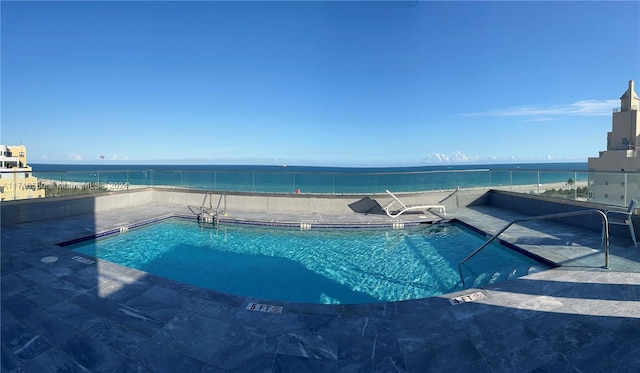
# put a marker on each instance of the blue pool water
(313, 266)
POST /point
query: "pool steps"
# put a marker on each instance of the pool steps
(605, 233)
(501, 275)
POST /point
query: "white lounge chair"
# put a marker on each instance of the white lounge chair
(406, 208)
(617, 217)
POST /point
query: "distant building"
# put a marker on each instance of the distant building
(16, 177)
(614, 177)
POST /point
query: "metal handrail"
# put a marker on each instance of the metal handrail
(223, 194)
(204, 201)
(605, 222)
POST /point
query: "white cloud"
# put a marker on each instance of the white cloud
(584, 107)
(75, 157)
(458, 156)
(115, 157)
(461, 158)
(441, 157)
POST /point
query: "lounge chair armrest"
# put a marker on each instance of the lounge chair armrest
(607, 212)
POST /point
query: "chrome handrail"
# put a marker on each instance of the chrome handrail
(605, 222)
(204, 201)
(223, 194)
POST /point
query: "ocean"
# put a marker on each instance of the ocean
(309, 179)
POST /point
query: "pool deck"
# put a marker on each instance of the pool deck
(77, 316)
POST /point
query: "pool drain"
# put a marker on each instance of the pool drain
(49, 259)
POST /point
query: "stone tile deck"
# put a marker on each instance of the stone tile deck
(75, 316)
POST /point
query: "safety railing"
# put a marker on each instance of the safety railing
(610, 188)
(605, 224)
(319, 182)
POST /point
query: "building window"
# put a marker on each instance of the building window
(622, 196)
(606, 195)
(606, 182)
(622, 183)
(26, 175)
(625, 141)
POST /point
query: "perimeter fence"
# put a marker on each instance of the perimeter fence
(613, 188)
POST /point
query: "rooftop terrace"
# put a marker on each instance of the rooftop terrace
(97, 316)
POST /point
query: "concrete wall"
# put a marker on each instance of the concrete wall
(540, 205)
(293, 203)
(535, 205)
(21, 211)
(14, 212)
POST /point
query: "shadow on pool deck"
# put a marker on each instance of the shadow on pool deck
(103, 317)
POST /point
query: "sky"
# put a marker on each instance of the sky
(314, 83)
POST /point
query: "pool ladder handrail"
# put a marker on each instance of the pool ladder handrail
(213, 214)
(223, 194)
(204, 201)
(605, 224)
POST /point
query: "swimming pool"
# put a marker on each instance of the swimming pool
(313, 266)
